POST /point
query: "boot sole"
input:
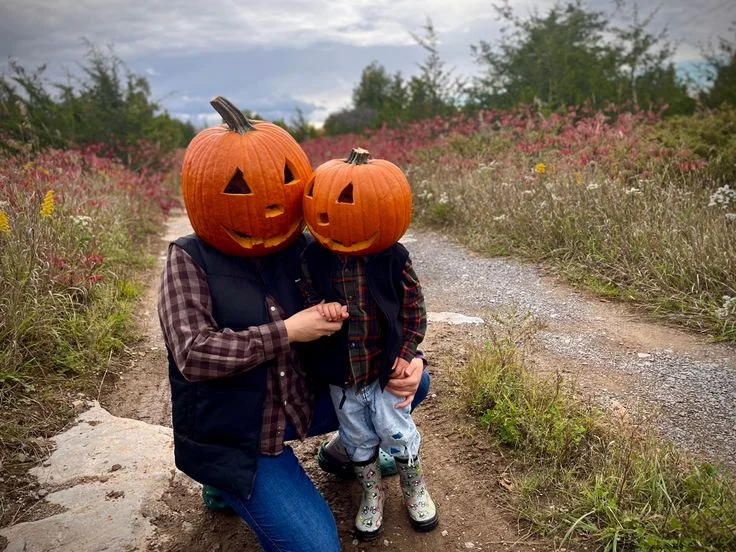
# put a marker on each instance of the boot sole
(366, 536)
(425, 526)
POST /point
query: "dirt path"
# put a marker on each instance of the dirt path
(614, 355)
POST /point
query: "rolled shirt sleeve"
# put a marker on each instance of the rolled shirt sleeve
(201, 350)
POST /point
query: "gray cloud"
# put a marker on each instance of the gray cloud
(277, 55)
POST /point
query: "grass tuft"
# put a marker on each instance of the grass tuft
(581, 473)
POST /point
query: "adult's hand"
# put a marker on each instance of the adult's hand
(404, 383)
(308, 325)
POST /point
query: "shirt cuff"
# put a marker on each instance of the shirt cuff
(408, 352)
(275, 339)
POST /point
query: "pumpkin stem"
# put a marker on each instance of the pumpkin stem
(233, 117)
(358, 156)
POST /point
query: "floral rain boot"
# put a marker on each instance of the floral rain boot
(419, 505)
(369, 519)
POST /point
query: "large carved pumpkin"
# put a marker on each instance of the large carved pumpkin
(243, 184)
(357, 206)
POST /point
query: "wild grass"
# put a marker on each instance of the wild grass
(73, 241)
(635, 222)
(582, 474)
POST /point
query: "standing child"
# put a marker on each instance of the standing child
(357, 210)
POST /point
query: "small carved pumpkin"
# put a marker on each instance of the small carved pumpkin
(357, 206)
(243, 184)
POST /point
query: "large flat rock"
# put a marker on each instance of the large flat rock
(108, 475)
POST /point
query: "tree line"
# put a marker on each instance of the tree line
(569, 56)
(108, 104)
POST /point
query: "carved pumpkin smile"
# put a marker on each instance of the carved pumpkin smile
(247, 241)
(337, 246)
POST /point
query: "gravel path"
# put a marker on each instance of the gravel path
(682, 381)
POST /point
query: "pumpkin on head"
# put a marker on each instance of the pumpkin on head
(242, 184)
(357, 206)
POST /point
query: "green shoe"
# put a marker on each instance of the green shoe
(333, 459)
(213, 500)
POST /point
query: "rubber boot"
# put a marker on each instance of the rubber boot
(422, 512)
(333, 459)
(369, 519)
(213, 500)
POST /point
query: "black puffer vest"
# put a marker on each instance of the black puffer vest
(217, 423)
(383, 274)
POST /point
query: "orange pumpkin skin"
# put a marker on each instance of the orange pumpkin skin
(243, 183)
(357, 206)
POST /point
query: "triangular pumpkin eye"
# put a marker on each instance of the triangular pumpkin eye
(238, 185)
(346, 196)
(288, 175)
(310, 187)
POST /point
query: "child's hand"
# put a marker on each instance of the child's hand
(404, 380)
(399, 368)
(333, 312)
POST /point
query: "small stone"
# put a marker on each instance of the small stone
(385, 542)
(20, 457)
(643, 355)
(115, 467)
(42, 493)
(469, 545)
(355, 542)
(444, 533)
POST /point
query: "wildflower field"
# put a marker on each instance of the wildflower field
(623, 203)
(73, 235)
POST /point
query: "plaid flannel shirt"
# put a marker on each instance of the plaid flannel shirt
(364, 331)
(203, 351)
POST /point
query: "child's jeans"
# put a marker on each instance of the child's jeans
(368, 419)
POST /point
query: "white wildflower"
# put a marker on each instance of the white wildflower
(499, 218)
(4, 204)
(728, 308)
(722, 197)
(81, 220)
(527, 192)
(556, 198)
(443, 199)
(505, 184)
(731, 217)
(593, 186)
(633, 191)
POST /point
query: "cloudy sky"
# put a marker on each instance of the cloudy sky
(271, 56)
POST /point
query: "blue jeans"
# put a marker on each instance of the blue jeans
(368, 419)
(285, 509)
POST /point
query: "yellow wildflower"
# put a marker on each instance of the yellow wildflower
(4, 223)
(540, 168)
(578, 178)
(48, 204)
